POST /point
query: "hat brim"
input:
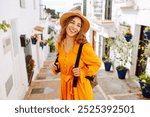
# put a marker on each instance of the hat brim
(86, 24)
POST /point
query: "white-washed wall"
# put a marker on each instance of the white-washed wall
(12, 63)
(135, 17)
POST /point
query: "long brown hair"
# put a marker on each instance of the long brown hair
(80, 36)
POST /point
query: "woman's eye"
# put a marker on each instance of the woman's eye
(79, 25)
(72, 22)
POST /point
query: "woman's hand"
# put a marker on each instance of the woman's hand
(76, 71)
(53, 67)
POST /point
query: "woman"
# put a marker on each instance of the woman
(74, 25)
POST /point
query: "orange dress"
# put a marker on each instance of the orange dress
(89, 65)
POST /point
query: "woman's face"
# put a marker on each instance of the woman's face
(73, 27)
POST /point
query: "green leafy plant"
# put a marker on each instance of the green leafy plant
(128, 33)
(145, 47)
(144, 78)
(106, 58)
(4, 26)
(147, 29)
(51, 44)
(108, 43)
(122, 53)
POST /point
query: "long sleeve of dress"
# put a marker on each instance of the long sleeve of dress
(90, 59)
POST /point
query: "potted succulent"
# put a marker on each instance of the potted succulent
(144, 81)
(147, 32)
(128, 36)
(34, 38)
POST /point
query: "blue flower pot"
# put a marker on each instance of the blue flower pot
(107, 66)
(122, 73)
(128, 37)
(146, 90)
(34, 41)
(147, 35)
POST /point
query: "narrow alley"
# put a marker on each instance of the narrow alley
(46, 86)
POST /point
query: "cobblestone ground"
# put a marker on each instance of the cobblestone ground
(46, 86)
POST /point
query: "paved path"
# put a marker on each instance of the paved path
(46, 86)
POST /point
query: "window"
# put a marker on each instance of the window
(108, 9)
(22, 3)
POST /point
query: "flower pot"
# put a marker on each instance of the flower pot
(147, 35)
(122, 73)
(128, 37)
(41, 44)
(107, 66)
(34, 41)
(145, 90)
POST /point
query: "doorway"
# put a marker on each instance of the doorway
(141, 66)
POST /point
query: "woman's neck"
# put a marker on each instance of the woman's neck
(68, 44)
(69, 40)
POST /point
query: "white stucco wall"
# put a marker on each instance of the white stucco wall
(10, 63)
(135, 17)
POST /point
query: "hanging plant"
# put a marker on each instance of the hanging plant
(34, 38)
(4, 26)
(128, 36)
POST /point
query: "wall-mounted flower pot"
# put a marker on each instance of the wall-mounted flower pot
(45, 44)
(147, 35)
(41, 45)
(34, 41)
(107, 66)
(122, 73)
(145, 90)
(128, 37)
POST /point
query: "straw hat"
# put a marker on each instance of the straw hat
(68, 14)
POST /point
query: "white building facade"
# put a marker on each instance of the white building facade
(23, 16)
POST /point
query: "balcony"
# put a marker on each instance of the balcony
(105, 23)
(125, 3)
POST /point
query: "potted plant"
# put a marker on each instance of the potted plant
(106, 56)
(147, 32)
(34, 38)
(144, 81)
(128, 36)
(123, 55)
(107, 64)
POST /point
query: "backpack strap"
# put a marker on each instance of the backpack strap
(75, 80)
(55, 63)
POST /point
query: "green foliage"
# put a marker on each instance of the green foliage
(143, 77)
(106, 58)
(108, 43)
(52, 47)
(52, 13)
(147, 29)
(51, 44)
(4, 26)
(123, 52)
(127, 33)
(145, 47)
